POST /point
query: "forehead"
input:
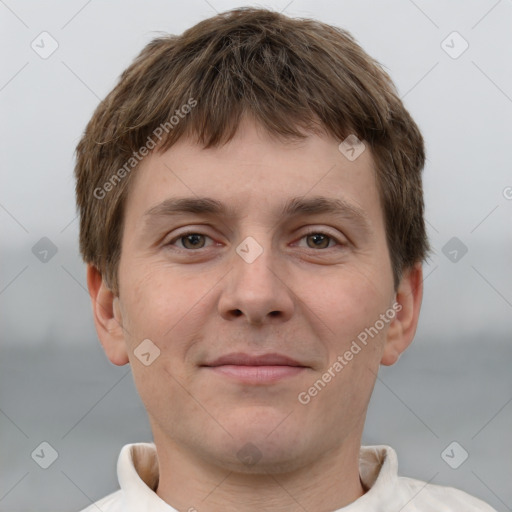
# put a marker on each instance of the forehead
(254, 171)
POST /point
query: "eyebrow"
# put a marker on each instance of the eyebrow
(294, 207)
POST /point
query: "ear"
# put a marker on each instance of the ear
(407, 305)
(107, 317)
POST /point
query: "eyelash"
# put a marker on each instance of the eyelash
(312, 232)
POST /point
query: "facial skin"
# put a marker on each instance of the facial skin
(306, 301)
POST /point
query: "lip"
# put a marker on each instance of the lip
(254, 370)
(242, 359)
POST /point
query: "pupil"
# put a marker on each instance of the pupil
(318, 239)
(193, 239)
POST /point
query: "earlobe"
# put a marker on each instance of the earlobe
(107, 317)
(403, 327)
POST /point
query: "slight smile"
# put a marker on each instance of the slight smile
(255, 370)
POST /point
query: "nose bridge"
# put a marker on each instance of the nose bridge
(255, 288)
(253, 264)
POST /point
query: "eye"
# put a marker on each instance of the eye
(320, 240)
(190, 240)
(193, 240)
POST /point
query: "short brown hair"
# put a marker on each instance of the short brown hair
(291, 75)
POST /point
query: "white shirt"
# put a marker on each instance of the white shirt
(137, 470)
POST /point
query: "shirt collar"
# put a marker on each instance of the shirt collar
(137, 470)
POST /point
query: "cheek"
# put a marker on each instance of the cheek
(150, 305)
(166, 308)
(351, 302)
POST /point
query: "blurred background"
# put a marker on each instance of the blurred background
(451, 64)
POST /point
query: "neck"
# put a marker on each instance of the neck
(190, 484)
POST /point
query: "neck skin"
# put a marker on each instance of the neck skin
(189, 484)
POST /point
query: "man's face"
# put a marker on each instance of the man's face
(255, 281)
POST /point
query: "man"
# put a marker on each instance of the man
(251, 213)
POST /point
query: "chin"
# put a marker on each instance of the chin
(259, 421)
(271, 436)
(262, 457)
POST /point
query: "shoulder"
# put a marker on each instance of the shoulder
(430, 497)
(111, 503)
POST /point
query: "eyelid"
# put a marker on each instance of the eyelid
(183, 234)
(340, 241)
(323, 231)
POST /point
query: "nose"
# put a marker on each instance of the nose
(257, 286)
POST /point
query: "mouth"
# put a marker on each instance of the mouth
(255, 370)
